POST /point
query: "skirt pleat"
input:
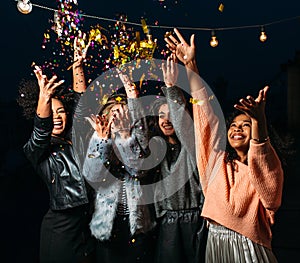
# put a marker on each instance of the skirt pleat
(227, 246)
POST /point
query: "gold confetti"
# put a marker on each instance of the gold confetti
(104, 99)
(144, 26)
(221, 7)
(142, 79)
(118, 99)
(200, 102)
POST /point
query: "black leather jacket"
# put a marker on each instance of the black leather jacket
(55, 161)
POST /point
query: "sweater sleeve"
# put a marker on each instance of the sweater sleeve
(98, 161)
(266, 174)
(139, 127)
(210, 135)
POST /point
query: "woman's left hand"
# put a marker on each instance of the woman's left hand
(170, 71)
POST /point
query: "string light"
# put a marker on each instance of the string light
(263, 37)
(24, 6)
(214, 41)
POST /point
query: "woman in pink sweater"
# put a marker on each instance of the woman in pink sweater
(242, 190)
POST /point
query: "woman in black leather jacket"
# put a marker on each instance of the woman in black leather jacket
(65, 234)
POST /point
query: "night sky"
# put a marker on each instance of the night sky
(240, 58)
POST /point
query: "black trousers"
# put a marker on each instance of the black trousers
(125, 248)
(182, 237)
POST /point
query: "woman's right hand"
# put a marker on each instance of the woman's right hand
(47, 87)
(80, 51)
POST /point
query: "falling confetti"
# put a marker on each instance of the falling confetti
(221, 7)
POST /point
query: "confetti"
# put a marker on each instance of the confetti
(221, 7)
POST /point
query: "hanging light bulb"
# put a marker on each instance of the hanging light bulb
(214, 41)
(263, 37)
(24, 6)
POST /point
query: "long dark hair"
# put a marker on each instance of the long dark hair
(153, 117)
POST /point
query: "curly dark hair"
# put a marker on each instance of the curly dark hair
(283, 145)
(29, 95)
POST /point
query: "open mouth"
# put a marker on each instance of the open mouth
(168, 126)
(58, 124)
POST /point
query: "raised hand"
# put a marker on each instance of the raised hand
(184, 52)
(47, 91)
(254, 108)
(170, 71)
(130, 87)
(47, 87)
(80, 50)
(120, 119)
(101, 125)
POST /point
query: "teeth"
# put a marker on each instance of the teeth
(238, 137)
(57, 123)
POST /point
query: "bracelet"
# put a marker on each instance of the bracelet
(261, 140)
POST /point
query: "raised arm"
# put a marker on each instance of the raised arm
(80, 52)
(266, 173)
(47, 89)
(209, 125)
(43, 122)
(255, 109)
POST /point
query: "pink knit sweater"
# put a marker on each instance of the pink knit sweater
(241, 197)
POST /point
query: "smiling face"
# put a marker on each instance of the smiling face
(239, 133)
(59, 117)
(164, 120)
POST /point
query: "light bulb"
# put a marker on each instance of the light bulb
(24, 6)
(214, 41)
(263, 36)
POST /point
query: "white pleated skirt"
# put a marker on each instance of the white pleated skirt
(227, 246)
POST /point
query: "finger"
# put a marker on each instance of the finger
(164, 68)
(171, 64)
(192, 40)
(93, 117)
(241, 108)
(75, 43)
(53, 78)
(251, 100)
(265, 91)
(109, 128)
(53, 87)
(245, 102)
(174, 58)
(174, 40)
(168, 62)
(180, 37)
(92, 123)
(170, 43)
(38, 71)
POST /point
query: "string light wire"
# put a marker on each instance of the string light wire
(180, 27)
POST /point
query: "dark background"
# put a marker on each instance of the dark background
(239, 66)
